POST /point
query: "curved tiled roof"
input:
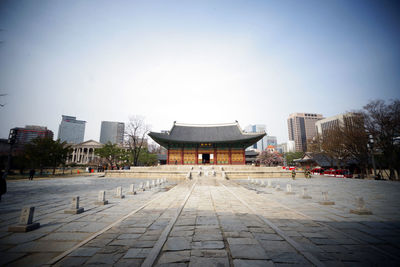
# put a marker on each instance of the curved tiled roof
(210, 133)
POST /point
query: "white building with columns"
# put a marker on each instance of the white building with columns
(83, 153)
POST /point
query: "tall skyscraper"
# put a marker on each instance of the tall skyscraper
(112, 131)
(71, 130)
(258, 128)
(301, 128)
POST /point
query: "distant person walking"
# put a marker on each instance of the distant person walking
(31, 174)
(3, 184)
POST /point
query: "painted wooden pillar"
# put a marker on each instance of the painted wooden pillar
(244, 156)
(230, 156)
(167, 155)
(215, 156)
(182, 156)
(197, 155)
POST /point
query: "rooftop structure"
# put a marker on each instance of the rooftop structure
(206, 144)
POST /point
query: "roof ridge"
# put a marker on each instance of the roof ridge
(205, 125)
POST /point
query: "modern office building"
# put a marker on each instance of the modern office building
(301, 128)
(289, 146)
(71, 130)
(25, 135)
(323, 125)
(112, 131)
(262, 144)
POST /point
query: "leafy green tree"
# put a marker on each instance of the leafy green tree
(111, 153)
(290, 156)
(146, 158)
(45, 152)
(59, 154)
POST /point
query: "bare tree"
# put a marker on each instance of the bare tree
(332, 144)
(383, 123)
(135, 136)
(355, 139)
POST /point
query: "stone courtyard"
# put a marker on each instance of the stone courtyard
(205, 221)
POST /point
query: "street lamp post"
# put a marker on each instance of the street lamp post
(371, 147)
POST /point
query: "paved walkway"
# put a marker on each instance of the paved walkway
(213, 222)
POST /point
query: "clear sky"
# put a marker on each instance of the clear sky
(194, 61)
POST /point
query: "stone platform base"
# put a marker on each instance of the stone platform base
(361, 212)
(75, 211)
(306, 197)
(327, 202)
(290, 193)
(19, 228)
(131, 193)
(119, 196)
(99, 203)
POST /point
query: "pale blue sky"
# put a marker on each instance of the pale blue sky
(194, 61)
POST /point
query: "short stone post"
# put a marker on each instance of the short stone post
(269, 183)
(74, 207)
(189, 176)
(224, 175)
(278, 188)
(25, 223)
(199, 173)
(262, 183)
(325, 200)
(304, 194)
(360, 207)
(118, 192)
(131, 190)
(148, 184)
(289, 190)
(101, 200)
(141, 186)
(153, 183)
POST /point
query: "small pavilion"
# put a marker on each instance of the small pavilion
(220, 144)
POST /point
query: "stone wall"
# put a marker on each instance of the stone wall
(180, 172)
(146, 174)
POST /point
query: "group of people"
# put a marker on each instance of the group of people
(307, 173)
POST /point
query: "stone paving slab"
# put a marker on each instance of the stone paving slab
(222, 223)
(60, 231)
